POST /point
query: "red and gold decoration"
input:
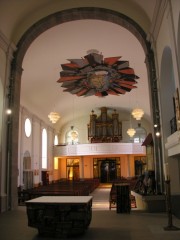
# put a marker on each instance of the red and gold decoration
(95, 75)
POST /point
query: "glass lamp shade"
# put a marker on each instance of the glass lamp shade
(137, 113)
(74, 135)
(131, 132)
(54, 117)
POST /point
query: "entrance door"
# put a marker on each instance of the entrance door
(108, 171)
(72, 167)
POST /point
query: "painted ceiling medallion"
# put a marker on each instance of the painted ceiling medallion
(95, 75)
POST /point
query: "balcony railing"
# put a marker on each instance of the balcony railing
(99, 149)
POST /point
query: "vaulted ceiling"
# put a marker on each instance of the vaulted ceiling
(42, 64)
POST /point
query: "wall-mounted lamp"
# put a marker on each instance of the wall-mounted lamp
(158, 134)
(157, 131)
(8, 111)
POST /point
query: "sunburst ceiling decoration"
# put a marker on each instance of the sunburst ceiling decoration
(95, 75)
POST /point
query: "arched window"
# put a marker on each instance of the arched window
(140, 134)
(44, 148)
(27, 127)
(56, 140)
(72, 136)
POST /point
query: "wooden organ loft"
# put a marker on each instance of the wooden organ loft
(105, 128)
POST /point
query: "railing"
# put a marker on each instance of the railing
(99, 149)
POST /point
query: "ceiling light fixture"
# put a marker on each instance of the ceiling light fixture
(131, 132)
(73, 133)
(137, 113)
(54, 117)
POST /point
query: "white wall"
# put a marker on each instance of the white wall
(33, 145)
(167, 67)
(81, 126)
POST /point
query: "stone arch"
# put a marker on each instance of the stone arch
(178, 44)
(78, 14)
(55, 19)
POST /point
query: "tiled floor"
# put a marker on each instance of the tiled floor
(106, 224)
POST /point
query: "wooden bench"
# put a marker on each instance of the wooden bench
(59, 188)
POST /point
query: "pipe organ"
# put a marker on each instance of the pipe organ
(104, 128)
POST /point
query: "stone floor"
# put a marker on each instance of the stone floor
(106, 224)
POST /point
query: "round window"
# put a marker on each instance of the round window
(28, 127)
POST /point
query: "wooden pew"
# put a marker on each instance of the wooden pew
(60, 188)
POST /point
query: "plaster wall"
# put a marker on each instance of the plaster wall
(175, 10)
(22, 17)
(81, 126)
(127, 166)
(33, 145)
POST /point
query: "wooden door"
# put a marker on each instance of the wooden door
(108, 171)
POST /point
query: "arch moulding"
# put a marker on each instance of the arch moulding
(16, 71)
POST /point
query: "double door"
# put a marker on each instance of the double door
(108, 171)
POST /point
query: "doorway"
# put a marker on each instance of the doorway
(107, 169)
(72, 168)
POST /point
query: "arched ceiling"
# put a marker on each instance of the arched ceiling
(40, 92)
(25, 13)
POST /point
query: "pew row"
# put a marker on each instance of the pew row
(59, 188)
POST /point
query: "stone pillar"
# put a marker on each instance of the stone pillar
(6, 51)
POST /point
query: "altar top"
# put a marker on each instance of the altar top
(61, 199)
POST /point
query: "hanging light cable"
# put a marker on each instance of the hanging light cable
(137, 112)
(131, 131)
(54, 116)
